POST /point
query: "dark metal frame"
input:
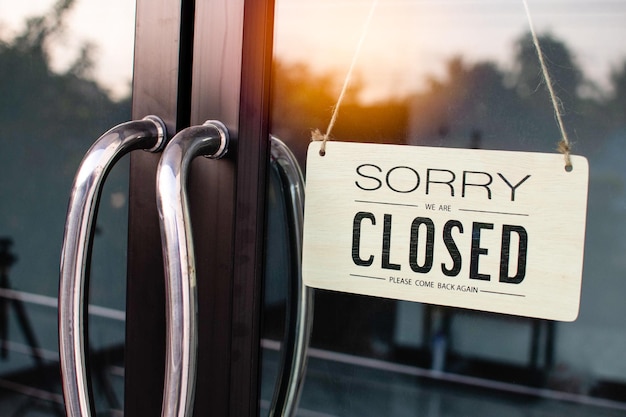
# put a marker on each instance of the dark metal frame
(199, 60)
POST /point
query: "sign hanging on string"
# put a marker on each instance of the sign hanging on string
(487, 230)
(495, 231)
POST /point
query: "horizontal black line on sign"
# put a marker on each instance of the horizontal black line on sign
(495, 212)
(503, 293)
(387, 204)
(366, 276)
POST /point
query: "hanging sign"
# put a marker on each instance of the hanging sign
(487, 230)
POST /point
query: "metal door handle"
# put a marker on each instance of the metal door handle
(210, 139)
(148, 134)
(299, 321)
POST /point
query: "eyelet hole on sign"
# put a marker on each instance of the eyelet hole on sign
(322, 152)
(569, 168)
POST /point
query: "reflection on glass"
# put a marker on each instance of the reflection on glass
(48, 118)
(465, 74)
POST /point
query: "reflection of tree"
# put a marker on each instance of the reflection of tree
(471, 103)
(472, 99)
(68, 104)
(567, 79)
(304, 101)
(617, 100)
(527, 74)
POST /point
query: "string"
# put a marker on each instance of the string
(316, 134)
(564, 144)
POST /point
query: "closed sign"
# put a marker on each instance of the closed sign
(495, 231)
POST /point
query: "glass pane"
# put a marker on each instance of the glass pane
(65, 78)
(460, 74)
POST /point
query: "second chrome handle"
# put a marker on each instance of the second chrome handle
(211, 140)
(299, 320)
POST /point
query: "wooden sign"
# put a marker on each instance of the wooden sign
(487, 230)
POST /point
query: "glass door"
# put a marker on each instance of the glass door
(62, 86)
(462, 74)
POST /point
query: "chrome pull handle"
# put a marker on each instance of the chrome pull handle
(210, 139)
(300, 298)
(148, 134)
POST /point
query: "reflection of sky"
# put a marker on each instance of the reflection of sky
(407, 38)
(410, 38)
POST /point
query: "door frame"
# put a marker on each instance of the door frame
(195, 61)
